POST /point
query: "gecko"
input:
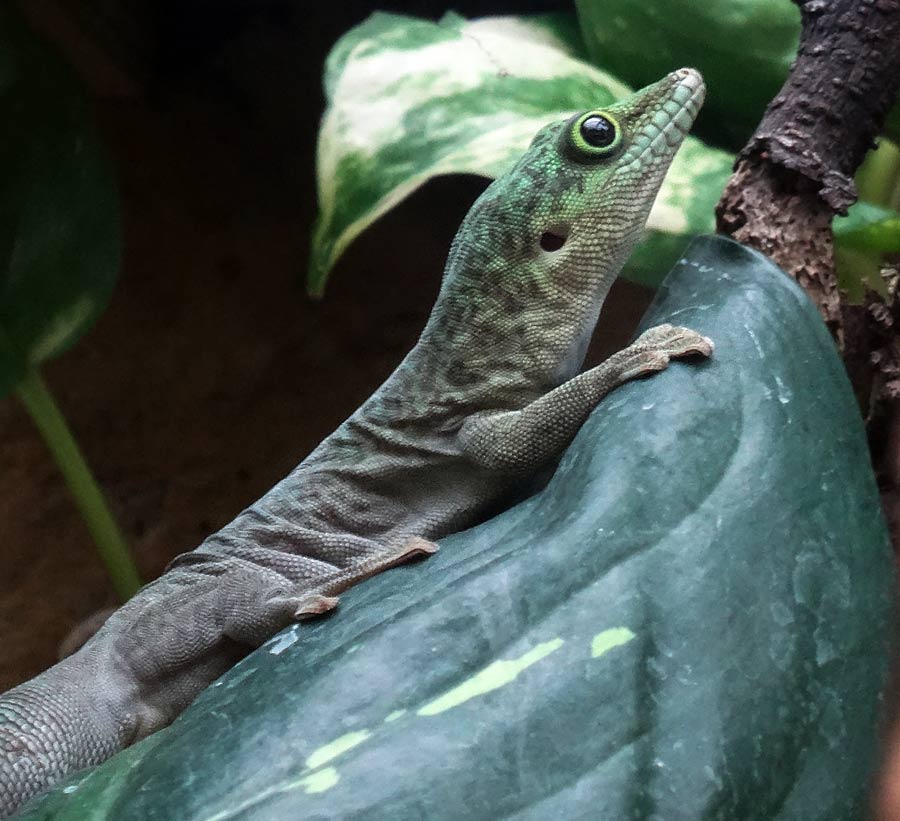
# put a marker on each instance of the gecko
(490, 395)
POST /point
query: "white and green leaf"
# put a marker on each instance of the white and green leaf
(409, 100)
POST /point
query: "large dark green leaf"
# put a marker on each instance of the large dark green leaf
(689, 622)
(59, 229)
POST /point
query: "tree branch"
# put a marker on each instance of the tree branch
(796, 172)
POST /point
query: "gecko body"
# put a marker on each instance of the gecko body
(491, 393)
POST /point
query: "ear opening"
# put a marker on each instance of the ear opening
(553, 240)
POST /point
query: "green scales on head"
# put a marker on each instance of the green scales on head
(490, 393)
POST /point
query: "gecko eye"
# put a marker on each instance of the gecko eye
(597, 131)
(592, 136)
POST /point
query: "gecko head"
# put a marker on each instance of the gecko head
(604, 168)
(569, 212)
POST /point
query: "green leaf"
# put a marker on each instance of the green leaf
(743, 48)
(857, 271)
(409, 100)
(869, 227)
(878, 178)
(691, 621)
(59, 227)
(862, 238)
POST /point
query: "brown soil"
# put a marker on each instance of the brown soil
(211, 373)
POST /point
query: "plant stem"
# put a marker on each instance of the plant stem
(52, 425)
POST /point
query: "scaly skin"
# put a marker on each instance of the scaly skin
(490, 393)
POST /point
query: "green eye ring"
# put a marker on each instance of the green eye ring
(594, 135)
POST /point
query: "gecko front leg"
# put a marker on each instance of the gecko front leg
(521, 441)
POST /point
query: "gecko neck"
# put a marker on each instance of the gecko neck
(500, 344)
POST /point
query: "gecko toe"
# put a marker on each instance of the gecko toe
(313, 604)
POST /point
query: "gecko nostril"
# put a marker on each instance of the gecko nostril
(551, 241)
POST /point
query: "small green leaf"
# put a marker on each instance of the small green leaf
(869, 227)
(59, 228)
(409, 100)
(857, 271)
(862, 238)
(878, 178)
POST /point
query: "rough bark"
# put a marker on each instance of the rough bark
(796, 173)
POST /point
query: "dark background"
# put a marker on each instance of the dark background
(212, 373)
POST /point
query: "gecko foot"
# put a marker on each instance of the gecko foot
(312, 604)
(674, 342)
(413, 548)
(261, 603)
(416, 547)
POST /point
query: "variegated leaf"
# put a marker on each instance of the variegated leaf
(409, 100)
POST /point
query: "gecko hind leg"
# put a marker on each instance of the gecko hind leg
(263, 601)
(415, 547)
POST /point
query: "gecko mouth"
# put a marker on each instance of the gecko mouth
(664, 132)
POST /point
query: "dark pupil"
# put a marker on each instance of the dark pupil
(598, 131)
